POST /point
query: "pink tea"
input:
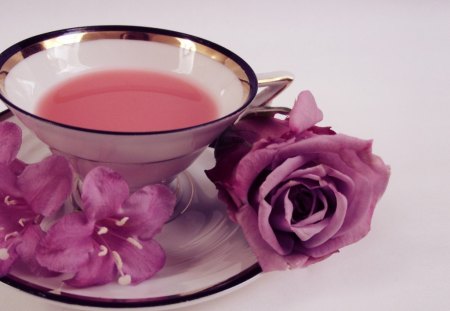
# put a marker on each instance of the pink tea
(128, 101)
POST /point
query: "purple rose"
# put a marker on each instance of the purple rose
(300, 192)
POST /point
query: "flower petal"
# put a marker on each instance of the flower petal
(11, 139)
(8, 255)
(103, 193)
(31, 236)
(67, 245)
(305, 113)
(46, 185)
(148, 210)
(138, 259)
(143, 264)
(97, 270)
(8, 182)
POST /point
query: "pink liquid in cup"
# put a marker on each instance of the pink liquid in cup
(128, 101)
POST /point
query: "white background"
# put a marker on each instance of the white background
(378, 69)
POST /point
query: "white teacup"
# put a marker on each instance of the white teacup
(31, 67)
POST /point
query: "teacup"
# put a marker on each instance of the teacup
(31, 67)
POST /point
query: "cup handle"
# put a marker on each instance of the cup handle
(273, 83)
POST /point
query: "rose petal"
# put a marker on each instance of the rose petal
(67, 245)
(310, 226)
(322, 130)
(305, 113)
(248, 169)
(46, 185)
(253, 127)
(319, 145)
(278, 217)
(103, 193)
(233, 148)
(306, 232)
(353, 158)
(268, 259)
(282, 243)
(371, 177)
(316, 215)
(279, 174)
(334, 223)
(148, 210)
(282, 206)
(238, 140)
(342, 182)
(11, 139)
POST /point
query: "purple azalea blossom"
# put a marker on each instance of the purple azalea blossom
(111, 238)
(299, 192)
(25, 192)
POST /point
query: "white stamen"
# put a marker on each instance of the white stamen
(11, 235)
(124, 279)
(135, 243)
(22, 221)
(103, 251)
(120, 223)
(118, 261)
(102, 230)
(8, 201)
(4, 255)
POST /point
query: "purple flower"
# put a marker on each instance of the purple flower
(111, 238)
(300, 192)
(28, 193)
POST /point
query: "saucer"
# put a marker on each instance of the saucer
(206, 252)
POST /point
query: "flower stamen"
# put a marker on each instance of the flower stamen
(118, 261)
(135, 243)
(102, 230)
(23, 220)
(124, 279)
(11, 235)
(121, 222)
(103, 251)
(8, 201)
